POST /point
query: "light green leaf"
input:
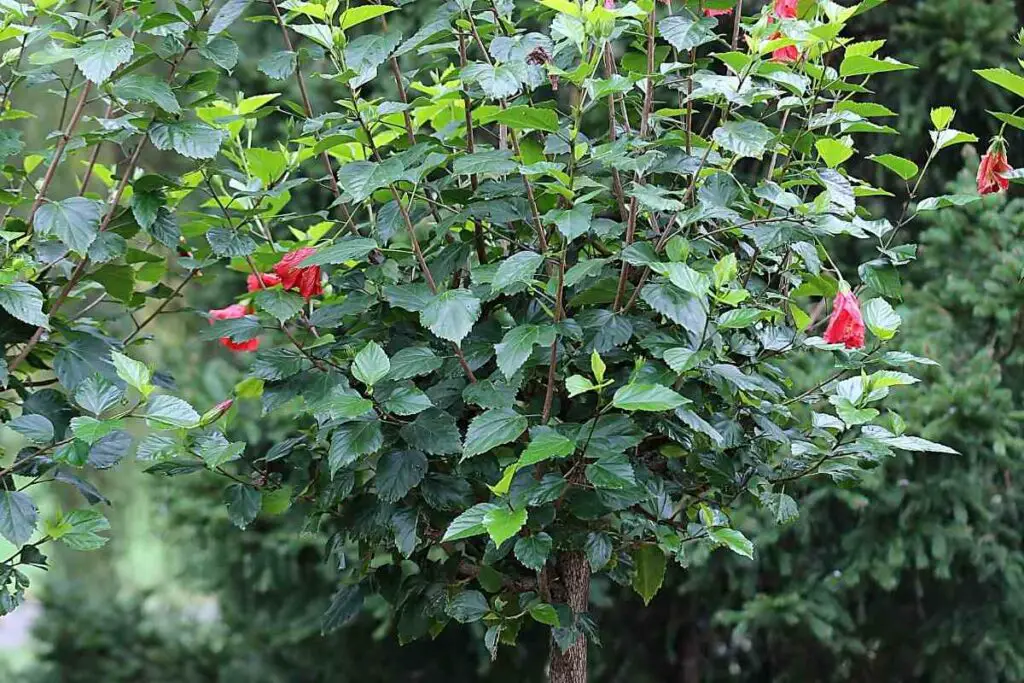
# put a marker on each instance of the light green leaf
(578, 384)
(470, 523)
(916, 443)
(502, 523)
(734, 540)
(517, 345)
(134, 373)
(1004, 78)
(357, 15)
(170, 411)
(862, 65)
(545, 443)
(362, 178)
(881, 319)
(833, 152)
(685, 32)
(413, 361)
(489, 162)
(278, 65)
(647, 397)
(80, 530)
(516, 269)
(904, 168)
(573, 222)
(498, 82)
(371, 364)
(522, 117)
(279, 303)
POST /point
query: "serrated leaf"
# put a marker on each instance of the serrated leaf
(516, 269)
(467, 607)
(74, 221)
(470, 523)
(904, 168)
(647, 397)
(142, 88)
(170, 411)
(398, 472)
(533, 551)
(916, 443)
(685, 32)
(243, 503)
(133, 372)
(353, 440)
(97, 59)
(650, 571)
(733, 540)
(81, 530)
(450, 315)
(881, 319)
(18, 516)
(517, 345)
(190, 139)
(279, 65)
(412, 362)
(546, 443)
(744, 138)
(36, 428)
(491, 429)
(502, 523)
(24, 302)
(226, 15)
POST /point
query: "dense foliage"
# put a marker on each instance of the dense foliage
(504, 238)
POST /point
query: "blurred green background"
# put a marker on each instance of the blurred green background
(916, 575)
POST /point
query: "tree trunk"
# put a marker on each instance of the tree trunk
(574, 572)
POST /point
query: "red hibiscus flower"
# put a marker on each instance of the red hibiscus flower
(305, 279)
(229, 313)
(846, 326)
(252, 283)
(993, 165)
(717, 12)
(786, 54)
(786, 9)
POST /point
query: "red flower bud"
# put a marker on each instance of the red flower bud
(262, 281)
(717, 12)
(846, 326)
(993, 165)
(306, 279)
(229, 313)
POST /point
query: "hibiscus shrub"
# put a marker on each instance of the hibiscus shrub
(549, 326)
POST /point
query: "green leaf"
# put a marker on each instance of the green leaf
(347, 249)
(170, 411)
(516, 269)
(490, 162)
(433, 431)
(904, 168)
(413, 361)
(450, 315)
(492, 428)
(146, 207)
(881, 319)
(470, 523)
(611, 472)
(190, 139)
(522, 117)
(739, 318)
(862, 65)
(36, 428)
(517, 345)
(407, 400)
(946, 201)
(134, 373)
(685, 278)
(97, 59)
(398, 472)
(357, 15)
(10, 143)
(371, 364)
(833, 152)
(744, 138)
(18, 516)
(361, 179)
(141, 88)
(685, 32)
(650, 571)
(80, 530)
(229, 242)
(24, 302)
(1004, 78)
(279, 303)
(365, 54)
(546, 443)
(353, 440)
(243, 503)
(916, 443)
(278, 65)
(598, 549)
(346, 603)
(533, 551)
(467, 607)
(647, 397)
(74, 221)
(545, 614)
(573, 222)
(228, 14)
(498, 82)
(733, 540)
(90, 430)
(502, 523)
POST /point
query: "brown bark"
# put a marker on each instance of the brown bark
(574, 575)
